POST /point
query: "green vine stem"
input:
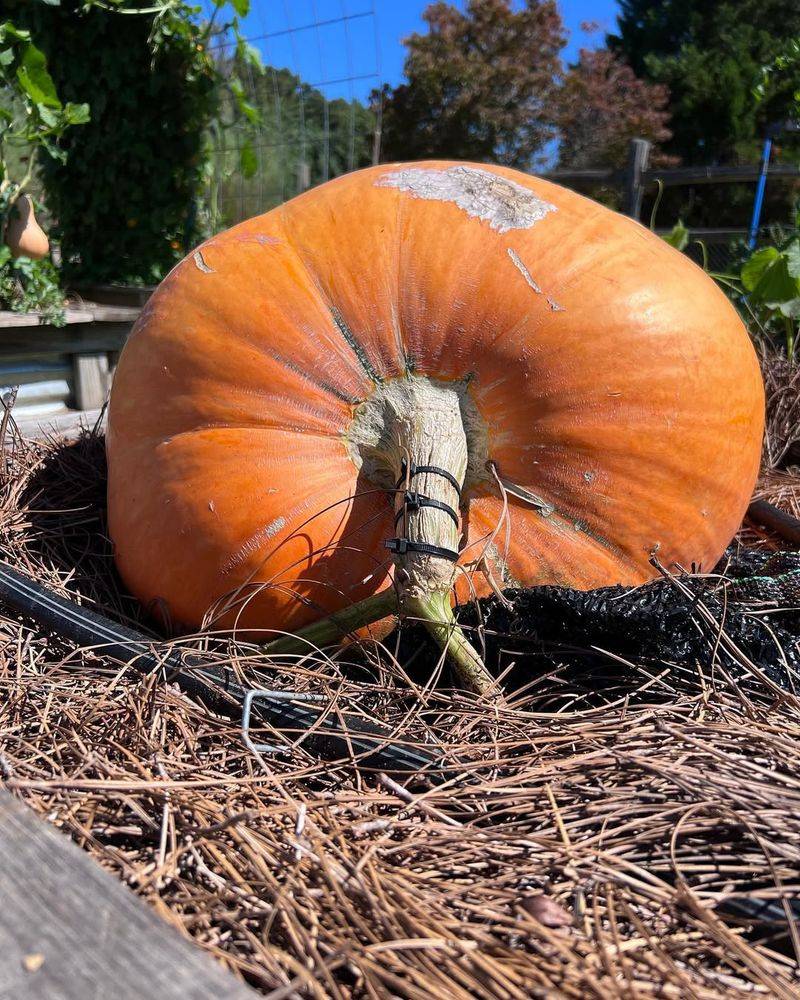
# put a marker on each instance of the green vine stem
(414, 436)
(436, 614)
(21, 185)
(789, 328)
(433, 611)
(331, 630)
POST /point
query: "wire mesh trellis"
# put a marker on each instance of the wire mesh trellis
(315, 119)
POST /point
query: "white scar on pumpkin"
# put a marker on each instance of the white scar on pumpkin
(201, 264)
(516, 260)
(526, 274)
(254, 542)
(501, 202)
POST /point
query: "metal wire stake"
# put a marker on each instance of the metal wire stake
(252, 694)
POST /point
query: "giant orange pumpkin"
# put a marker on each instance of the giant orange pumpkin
(605, 390)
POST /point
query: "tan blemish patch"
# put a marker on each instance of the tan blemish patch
(501, 202)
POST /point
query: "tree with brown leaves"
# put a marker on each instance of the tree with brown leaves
(602, 106)
(481, 84)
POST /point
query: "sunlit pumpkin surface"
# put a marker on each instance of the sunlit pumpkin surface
(612, 384)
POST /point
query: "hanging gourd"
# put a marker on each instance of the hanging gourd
(421, 378)
(23, 235)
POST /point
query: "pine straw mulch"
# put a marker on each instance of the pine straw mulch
(596, 853)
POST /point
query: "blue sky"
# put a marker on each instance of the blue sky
(358, 43)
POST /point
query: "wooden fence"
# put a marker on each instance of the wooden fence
(637, 176)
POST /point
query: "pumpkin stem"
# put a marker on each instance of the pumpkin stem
(437, 616)
(415, 437)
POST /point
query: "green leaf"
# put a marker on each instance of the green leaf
(251, 112)
(249, 55)
(791, 308)
(792, 254)
(52, 149)
(48, 116)
(678, 237)
(35, 80)
(754, 268)
(77, 114)
(248, 161)
(6, 57)
(9, 30)
(775, 286)
(242, 7)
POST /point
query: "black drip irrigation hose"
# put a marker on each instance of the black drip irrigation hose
(341, 737)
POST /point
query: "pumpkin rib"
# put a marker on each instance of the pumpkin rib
(256, 428)
(215, 526)
(347, 335)
(327, 335)
(250, 544)
(563, 520)
(538, 550)
(255, 396)
(381, 368)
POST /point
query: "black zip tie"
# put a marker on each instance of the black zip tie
(412, 502)
(403, 545)
(416, 470)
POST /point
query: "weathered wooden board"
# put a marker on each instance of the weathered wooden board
(87, 312)
(87, 348)
(44, 341)
(68, 425)
(92, 380)
(70, 931)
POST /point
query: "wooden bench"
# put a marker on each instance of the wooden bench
(59, 370)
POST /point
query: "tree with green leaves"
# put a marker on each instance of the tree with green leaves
(302, 139)
(710, 54)
(481, 84)
(126, 191)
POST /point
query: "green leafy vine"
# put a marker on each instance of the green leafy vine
(32, 120)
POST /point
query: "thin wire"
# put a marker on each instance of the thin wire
(376, 141)
(325, 108)
(255, 96)
(278, 108)
(351, 149)
(286, 144)
(304, 27)
(301, 184)
(295, 151)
